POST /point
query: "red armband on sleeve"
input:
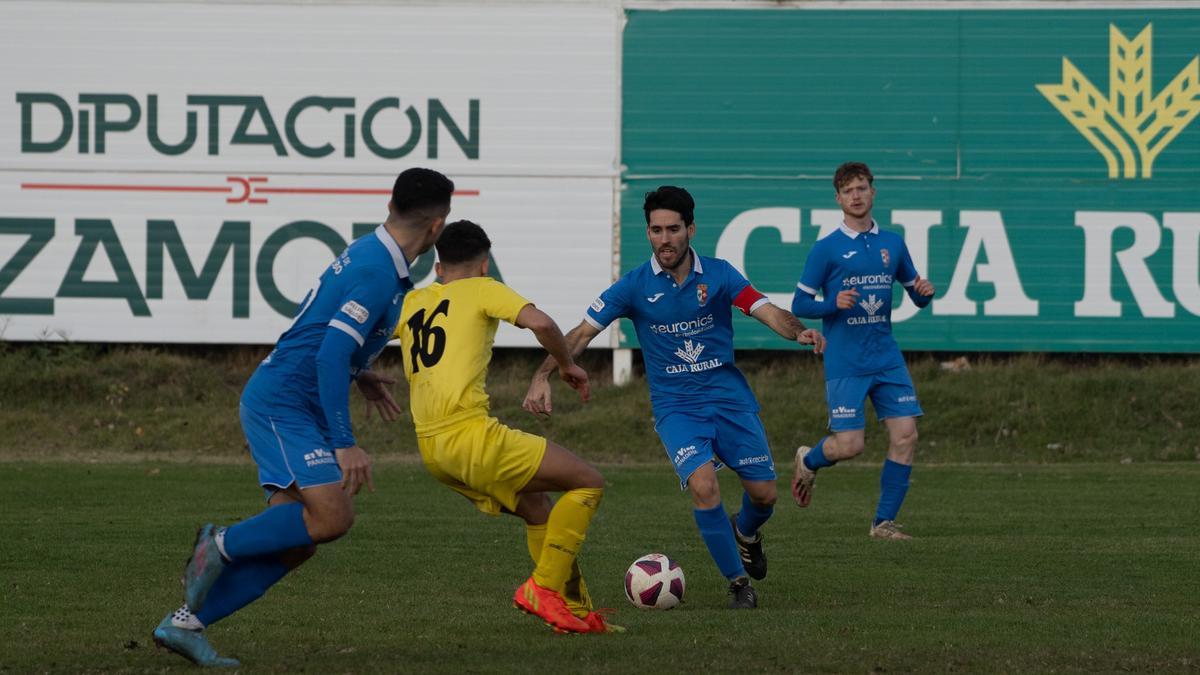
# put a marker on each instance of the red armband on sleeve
(749, 300)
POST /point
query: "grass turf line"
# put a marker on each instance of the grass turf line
(1079, 567)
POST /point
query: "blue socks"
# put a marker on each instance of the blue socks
(815, 459)
(273, 531)
(752, 516)
(893, 484)
(240, 584)
(718, 537)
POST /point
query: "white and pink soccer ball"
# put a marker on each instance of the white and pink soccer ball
(654, 581)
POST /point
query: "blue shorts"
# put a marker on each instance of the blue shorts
(891, 391)
(723, 437)
(288, 450)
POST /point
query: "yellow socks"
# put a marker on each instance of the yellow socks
(535, 536)
(554, 546)
(575, 591)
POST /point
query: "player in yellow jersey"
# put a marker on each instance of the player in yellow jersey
(446, 332)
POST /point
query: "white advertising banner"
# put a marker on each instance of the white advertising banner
(184, 172)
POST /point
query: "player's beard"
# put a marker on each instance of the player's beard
(680, 256)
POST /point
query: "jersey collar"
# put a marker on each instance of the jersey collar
(393, 248)
(696, 266)
(853, 234)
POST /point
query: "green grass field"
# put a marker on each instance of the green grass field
(1074, 567)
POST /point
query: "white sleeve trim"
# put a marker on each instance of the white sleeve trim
(759, 303)
(908, 284)
(345, 328)
(594, 323)
(806, 289)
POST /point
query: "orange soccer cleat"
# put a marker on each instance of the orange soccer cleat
(598, 624)
(549, 606)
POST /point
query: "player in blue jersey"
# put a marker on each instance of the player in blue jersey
(854, 268)
(296, 417)
(681, 305)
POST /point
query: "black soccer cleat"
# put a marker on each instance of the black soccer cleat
(743, 594)
(751, 552)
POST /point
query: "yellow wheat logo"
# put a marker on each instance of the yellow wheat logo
(1129, 118)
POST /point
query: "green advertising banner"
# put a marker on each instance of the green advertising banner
(1042, 165)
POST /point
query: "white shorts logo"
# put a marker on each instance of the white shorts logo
(757, 459)
(842, 412)
(319, 456)
(356, 311)
(684, 454)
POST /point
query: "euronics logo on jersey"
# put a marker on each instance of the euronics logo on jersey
(681, 328)
(1131, 118)
(868, 281)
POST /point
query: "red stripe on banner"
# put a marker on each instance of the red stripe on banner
(122, 188)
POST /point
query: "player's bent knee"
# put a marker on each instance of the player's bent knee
(591, 478)
(330, 520)
(705, 490)
(331, 529)
(767, 499)
(905, 443)
(534, 507)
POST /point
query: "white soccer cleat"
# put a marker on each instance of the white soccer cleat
(802, 482)
(888, 529)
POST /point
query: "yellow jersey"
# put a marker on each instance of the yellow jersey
(446, 333)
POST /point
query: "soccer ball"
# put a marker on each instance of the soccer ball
(654, 581)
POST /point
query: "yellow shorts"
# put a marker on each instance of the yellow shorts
(484, 461)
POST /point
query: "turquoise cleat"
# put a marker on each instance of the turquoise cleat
(191, 645)
(202, 568)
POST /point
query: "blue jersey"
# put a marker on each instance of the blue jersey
(860, 339)
(685, 330)
(340, 328)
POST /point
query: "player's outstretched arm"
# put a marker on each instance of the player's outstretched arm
(789, 327)
(538, 399)
(550, 337)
